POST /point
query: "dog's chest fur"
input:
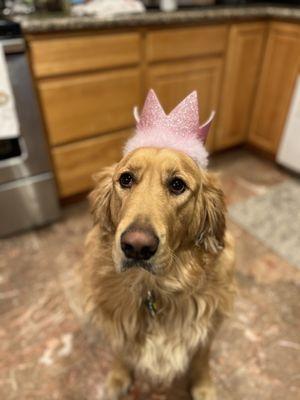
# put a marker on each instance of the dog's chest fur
(164, 344)
(167, 353)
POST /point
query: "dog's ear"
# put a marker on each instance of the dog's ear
(100, 198)
(212, 215)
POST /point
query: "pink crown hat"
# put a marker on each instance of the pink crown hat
(178, 130)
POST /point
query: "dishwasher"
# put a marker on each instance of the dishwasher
(28, 195)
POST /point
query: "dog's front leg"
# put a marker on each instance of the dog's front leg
(118, 381)
(201, 385)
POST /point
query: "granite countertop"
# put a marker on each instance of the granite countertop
(55, 22)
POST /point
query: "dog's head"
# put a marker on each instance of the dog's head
(156, 203)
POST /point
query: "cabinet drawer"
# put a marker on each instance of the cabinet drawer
(61, 55)
(186, 42)
(76, 162)
(87, 105)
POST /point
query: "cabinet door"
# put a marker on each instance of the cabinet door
(173, 82)
(279, 73)
(243, 64)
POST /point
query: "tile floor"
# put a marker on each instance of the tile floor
(46, 354)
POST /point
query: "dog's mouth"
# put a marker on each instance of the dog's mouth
(146, 265)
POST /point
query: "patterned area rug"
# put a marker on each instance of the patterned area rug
(274, 218)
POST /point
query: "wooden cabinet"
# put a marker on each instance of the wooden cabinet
(76, 107)
(276, 84)
(89, 82)
(88, 85)
(75, 163)
(172, 82)
(242, 68)
(65, 54)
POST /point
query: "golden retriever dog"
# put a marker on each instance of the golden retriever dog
(158, 269)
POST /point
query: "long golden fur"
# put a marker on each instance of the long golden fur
(192, 275)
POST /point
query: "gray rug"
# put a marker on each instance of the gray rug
(274, 218)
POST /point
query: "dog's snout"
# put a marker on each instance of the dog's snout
(139, 244)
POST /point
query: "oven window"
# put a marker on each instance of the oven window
(9, 148)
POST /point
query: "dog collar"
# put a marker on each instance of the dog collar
(151, 304)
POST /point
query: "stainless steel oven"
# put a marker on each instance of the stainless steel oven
(28, 196)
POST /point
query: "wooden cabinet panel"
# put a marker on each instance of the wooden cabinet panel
(276, 85)
(67, 54)
(172, 82)
(246, 72)
(243, 64)
(81, 106)
(185, 42)
(76, 162)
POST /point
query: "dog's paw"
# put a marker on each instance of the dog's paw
(117, 385)
(204, 392)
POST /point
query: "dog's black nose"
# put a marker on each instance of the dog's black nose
(139, 244)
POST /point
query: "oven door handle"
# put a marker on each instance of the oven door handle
(13, 46)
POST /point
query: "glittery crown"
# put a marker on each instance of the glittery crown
(179, 130)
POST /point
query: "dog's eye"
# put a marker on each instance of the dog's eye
(126, 180)
(177, 186)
